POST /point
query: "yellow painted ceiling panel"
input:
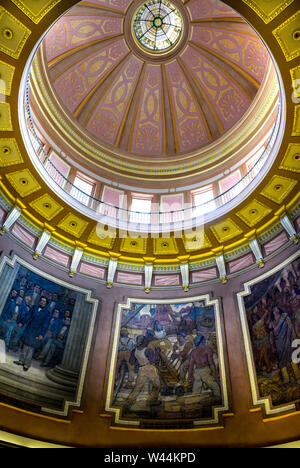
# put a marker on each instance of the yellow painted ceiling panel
(132, 245)
(288, 37)
(226, 230)
(278, 188)
(35, 9)
(9, 152)
(268, 10)
(165, 246)
(13, 34)
(196, 241)
(46, 206)
(291, 160)
(5, 117)
(295, 75)
(101, 237)
(6, 77)
(73, 225)
(253, 213)
(296, 125)
(23, 182)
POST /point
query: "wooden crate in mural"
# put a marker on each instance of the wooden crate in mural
(270, 314)
(167, 367)
(45, 334)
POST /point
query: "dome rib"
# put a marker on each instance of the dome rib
(94, 98)
(214, 126)
(170, 142)
(233, 72)
(125, 135)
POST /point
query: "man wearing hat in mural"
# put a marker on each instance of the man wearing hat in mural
(145, 358)
(202, 368)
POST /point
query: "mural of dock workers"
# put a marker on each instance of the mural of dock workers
(270, 307)
(43, 325)
(168, 363)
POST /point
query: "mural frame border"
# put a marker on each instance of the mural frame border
(218, 411)
(265, 403)
(68, 405)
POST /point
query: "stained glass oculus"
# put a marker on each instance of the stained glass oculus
(157, 25)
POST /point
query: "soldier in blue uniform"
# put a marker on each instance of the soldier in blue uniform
(57, 345)
(10, 303)
(22, 321)
(54, 326)
(12, 316)
(34, 333)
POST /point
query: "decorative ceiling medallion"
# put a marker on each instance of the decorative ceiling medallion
(102, 238)
(13, 34)
(278, 188)
(137, 245)
(157, 25)
(288, 37)
(226, 230)
(9, 152)
(165, 246)
(73, 225)
(23, 182)
(196, 241)
(253, 213)
(291, 160)
(46, 206)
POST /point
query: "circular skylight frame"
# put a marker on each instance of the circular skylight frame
(157, 26)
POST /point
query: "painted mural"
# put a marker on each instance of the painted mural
(38, 318)
(273, 316)
(167, 363)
